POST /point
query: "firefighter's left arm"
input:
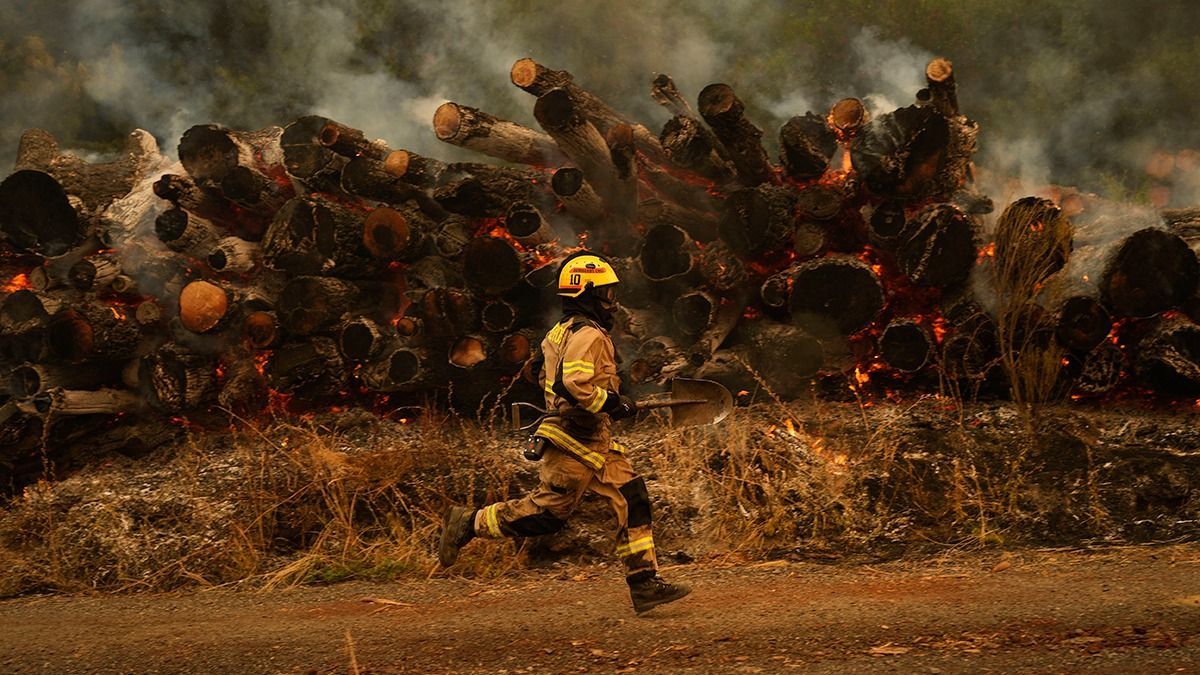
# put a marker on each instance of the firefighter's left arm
(589, 353)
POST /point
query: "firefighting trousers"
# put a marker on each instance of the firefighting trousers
(564, 481)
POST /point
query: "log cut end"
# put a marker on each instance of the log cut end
(718, 99)
(386, 233)
(202, 305)
(524, 72)
(939, 70)
(446, 121)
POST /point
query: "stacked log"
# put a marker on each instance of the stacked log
(308, 263)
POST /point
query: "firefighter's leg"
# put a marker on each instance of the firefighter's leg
(626, 492)
(564, 481)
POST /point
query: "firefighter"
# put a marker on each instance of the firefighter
(579, 455)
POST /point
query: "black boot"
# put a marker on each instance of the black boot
(458, 528)
(652, 591)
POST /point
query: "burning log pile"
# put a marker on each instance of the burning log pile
(310, 263)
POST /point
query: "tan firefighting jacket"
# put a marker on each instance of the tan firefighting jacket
(578, 377)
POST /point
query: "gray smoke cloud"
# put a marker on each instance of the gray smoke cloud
(1064, 93)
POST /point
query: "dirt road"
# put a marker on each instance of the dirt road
(1123, 610)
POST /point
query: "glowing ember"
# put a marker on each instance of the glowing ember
(988, 251)
(19, 282)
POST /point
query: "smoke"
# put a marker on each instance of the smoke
(1069, 94)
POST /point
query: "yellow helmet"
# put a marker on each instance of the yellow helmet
(582, 271)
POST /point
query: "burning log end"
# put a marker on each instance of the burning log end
(847, 115)
(667, 252)
(906, 345)
(202, 306)
(837, 293)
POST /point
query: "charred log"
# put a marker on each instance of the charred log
(234, 255)
(820, 202)
(95, 185)
(492, 265)
(508, 141)
(723, 111)
(537, 79)
(721, 269)
(452, 236)
(939, 74)
(691, 145)
(938, 247)
(586, 147)
(185, 233)
(37, 215)
(311, 304)
(486, 192)
(470, 351)
(420, 172)
(1152, 271)
(92, 331)
(1168, 359)
(396, 234)
(362, 340)
(350, 142)
(243, 388)
(1083, 323)
(1101, 370)
(94, 273)
(666, 253)
(369, 178)
(402, 369)
(315, 235)
(758, 219)
(527, 224)
(174, 379)
(309, 369)
(579, 199)
(906, 345)
(724, 319)
(886, 225)
(666, 94)
(806, 146)
(837, 294)
(784, 356)
(30, 379)
(261, 329)
(59, 402)
(305, 158)
(499, 316)
(914, 153)
(701, 225)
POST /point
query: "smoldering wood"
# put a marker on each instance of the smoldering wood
(784, 356)
(174, 378)
(700, 225)
(1153, 270)
(396, 234)
(58, 402)
(623, 154)
(806, 146)
(207, 204)
(667, 252)
(584, 145)
(452, 236)
(499, 316)
(1101, 370)
(906, 345)
(37, 215)
(838, 294)
(92, 330)
(914, 153)
(447, 312)
(820, 202)
(1082, 323)
(1168, 358)
(809, 239)
(484, 133)
(416, 170)
(261, 329)
(694, 311)
(758, 219)
(724, 319)
(316, 235)
(482, 191)
(723, 111)
(938, 248)
(256, 192)
(518, 348)
(234, 255)
(537, 79)
(243, 390)
(30, 379)
(492, 264)
(209, 152)
(305, 158)
(367, 177)
(578, 198)
(361, 339)
(96, 184)
(666, 94)
(692, 146)
(309, 304)
(149, 313)
(310, 369)
(943, 96)
(95, 272)
(403, 368)
(721, 269)
(350, 142)
(847, 116)
(525, 222)
(886, 224)
(471, 351)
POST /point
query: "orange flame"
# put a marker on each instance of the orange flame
(19, 282)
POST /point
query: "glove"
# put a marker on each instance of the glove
(627, 407)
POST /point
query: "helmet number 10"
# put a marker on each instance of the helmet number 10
(576, 280)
